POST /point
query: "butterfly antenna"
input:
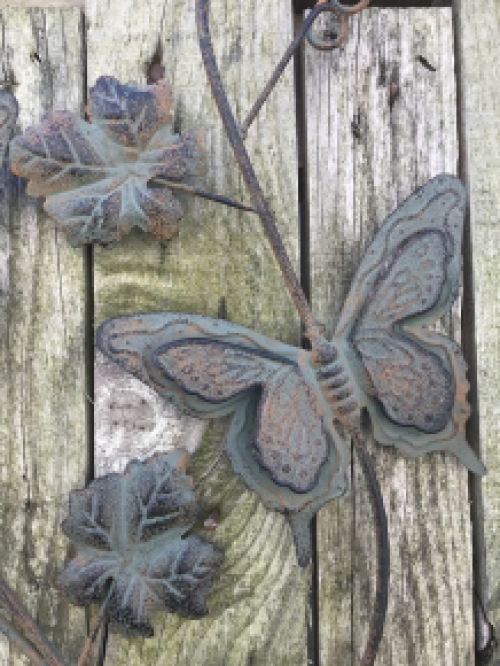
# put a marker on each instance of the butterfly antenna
(383, 553)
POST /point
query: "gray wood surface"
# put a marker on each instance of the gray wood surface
(42, 4)
(354, 184)
(478, 26)
(219, 264)
(43, 440)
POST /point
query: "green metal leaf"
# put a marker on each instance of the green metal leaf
(128, 531)
(96, 177)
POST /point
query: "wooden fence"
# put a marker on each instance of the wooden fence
(329, 140)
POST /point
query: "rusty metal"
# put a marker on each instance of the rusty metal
(286, 401)
(24, 630)
(234, 133)
(376, 629)
(103, 178)
(132, 555)
(305, 30)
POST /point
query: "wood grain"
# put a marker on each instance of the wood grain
(219, 264)
(43, 440)
(43, 4)
(478, 24)
(354, 183)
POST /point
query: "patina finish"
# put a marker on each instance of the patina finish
(291, 407)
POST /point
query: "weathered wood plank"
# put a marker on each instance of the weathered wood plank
(354, 183)
(43, 4)
(43, 440)
(478, 26)
(219, 263)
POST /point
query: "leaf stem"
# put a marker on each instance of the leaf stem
(15, 638)
(28, 627)
(198, 192)
(104, 641)
(92, 636)
(233, 131)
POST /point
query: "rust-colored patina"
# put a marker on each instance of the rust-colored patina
(289, 405)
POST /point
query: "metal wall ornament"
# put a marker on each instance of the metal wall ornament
(128, 530)
(292, 408)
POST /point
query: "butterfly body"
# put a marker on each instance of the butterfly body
(289, 403)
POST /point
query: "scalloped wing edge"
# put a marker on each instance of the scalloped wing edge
(139, 330)
(413, 443)
(410, 217)
(299, 508)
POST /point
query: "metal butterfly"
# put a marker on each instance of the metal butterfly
(287, 402)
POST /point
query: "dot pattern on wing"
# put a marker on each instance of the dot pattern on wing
(289, 440)
(412, 383)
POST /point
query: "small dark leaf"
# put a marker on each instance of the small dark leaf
(96, 176)
(128, 531)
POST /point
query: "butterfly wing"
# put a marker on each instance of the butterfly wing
(290, 439)
(413, 381)
(208, 366)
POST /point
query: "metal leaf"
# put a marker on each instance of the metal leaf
(128, 531)
(96, 177)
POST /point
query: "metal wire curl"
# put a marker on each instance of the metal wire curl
(340, 11)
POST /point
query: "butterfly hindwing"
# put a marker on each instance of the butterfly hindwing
(413, 382)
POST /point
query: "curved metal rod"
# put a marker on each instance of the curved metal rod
(383, 554)
(305, 30)
(347, 9)
(280, 67)
(327, 44)
(259, 202)
(29, 630)
(340, 11)
(199, 192)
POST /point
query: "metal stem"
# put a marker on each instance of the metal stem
(198, 192)
(234, 134)
(92, 636)
(15, 638)
(383, 553)
(29, 629)
(319, 9)
(103, 644)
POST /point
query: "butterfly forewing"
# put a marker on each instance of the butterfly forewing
(290, 439)
(437, 206)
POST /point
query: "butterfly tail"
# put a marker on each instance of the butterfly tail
(302, 537)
